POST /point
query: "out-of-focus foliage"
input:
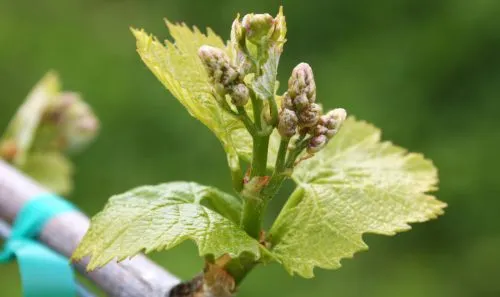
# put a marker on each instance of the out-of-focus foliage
(426, 72)
(47, 125)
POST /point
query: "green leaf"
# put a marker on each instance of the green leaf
(179, 68)
(160, 217)
(53, 170)
(265, 84)
(225, 204)
(22, 128)
(356, 185)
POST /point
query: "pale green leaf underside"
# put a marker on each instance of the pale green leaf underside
(356, 185)
(179, 68)
(160, 217)
(51, 169)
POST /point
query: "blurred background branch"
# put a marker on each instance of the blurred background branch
(131, 278)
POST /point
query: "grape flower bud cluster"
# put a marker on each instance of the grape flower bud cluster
(223, 75)
(301, 113)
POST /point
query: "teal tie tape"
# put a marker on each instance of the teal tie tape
(44, 273)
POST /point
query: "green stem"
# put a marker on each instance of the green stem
(279, 174)
(284, 165)
(243, 116)
(240, 267)
(281, 157)
(300, 145)
(273, 110)
(259, 162)
(237, 179)
(257, 105)
(254, 208)
(253, 214)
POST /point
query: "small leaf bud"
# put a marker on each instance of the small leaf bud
(279, 32)
(287, 125)
(238, 33)
(258, 27)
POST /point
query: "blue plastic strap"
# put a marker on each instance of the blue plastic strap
(44, 273)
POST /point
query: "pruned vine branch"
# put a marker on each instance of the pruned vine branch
(138, 277)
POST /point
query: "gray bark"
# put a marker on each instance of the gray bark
(138, 277)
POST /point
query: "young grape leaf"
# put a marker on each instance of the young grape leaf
(160, 217)
(356, 185)
(265, 84)
(179, 68)
(51, 169)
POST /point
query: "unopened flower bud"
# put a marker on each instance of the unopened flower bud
(338, 114)
(324, 120)
(331, 132)
(214, 59)
(332, 121)
(217, 64)
(258, 27)
(287, 101)
(239, 94)
(316, 144)
(319, 130)
(221, 72)
(300, 102)
(287, 125)
(309, 116)
(302, 82)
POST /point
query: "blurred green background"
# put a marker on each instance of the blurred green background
(427, 72)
